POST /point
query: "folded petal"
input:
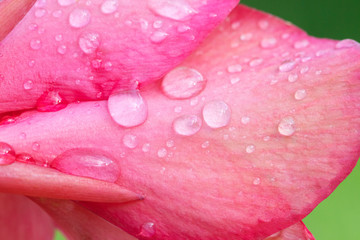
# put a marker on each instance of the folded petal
(80, 50)
(21, 219)
(298, 231)
(273, 132)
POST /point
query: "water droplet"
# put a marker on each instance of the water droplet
(33, 26)
(245, 120)
(263, 24)
(300, 94)
(250, 149)
(66, 2)
(256, 62)
(89, 42)
(79, 18)
(347, 43)
(234, 68)
(157, 24)
(301, 44)
(183, 28)
(31, 63)
(170, 143)
(28, 85)
(235, 25)
(246, 36)
(147, 230)
(304, 69)
(127, 109)
(205, 144)
(146, 147)
(158, 36)
(7, 154)
(182, 83)
(57, 13)
(22, 136)
(179, 10)
(162, 152)
(266, 138)
(287, 66)
(25, 158)
(40, 12)
(130, 141)
(61, 49)
(87, 162)
(35, 146)
(286, 126)
(187, 125)
(35, 44)
(293, 77)
(256, 181)
(178, 109)
(268, 42)
(51, 101)
(216, 114)
(109, 6)
(59, 37)
(234, 80)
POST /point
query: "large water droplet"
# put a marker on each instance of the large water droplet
(147, 230)
(51, 101)
(286, 126)
(109, 6)
(179, 10)
(87, 162)
(89, 42)
(187, 125)
(130, 141)
(66, 2)
(128, 109)
(79, 18)
(300, 94)
(216, 114)
(7, 154)
(182, 83)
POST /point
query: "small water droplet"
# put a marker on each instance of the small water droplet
(287, 66)
(61, 49)
(234, 68)
(187, 125)
(25, 158)
(235, 25)
(245, 120)
(130, 141)
(256, 181)
(250, 149)
(178, 109)
(40, 12)
(57, 13)
(286, 126)
(179, 10)
(28, 85)
(246, 36)
(51, 101)
(89, 42)
(293, 77)
(347, 43)
(35, 44)
(33, 26)
(128, 108)
(266, 138)
(183, 28)
(216, 114)
(268, 43)
(301, 44)
(146, 147)
(22, 136)
(300, 94)
(59, 37)
(96, 63)
(7, 154)
(109, 6)
(170, 143)
(182, 83)
(79, 18)
(234, 80)
(205, 144)
(263, 24)
(304, 69)
(256, 62)
(31, 63)
(147, 230)
(162, 152)
(66, 2)
(158, 36)
(35, 146)
(87, 162)
(157, 24)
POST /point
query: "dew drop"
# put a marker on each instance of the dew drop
(128, 109)
(286, 126)
(59, 37)
(130, 141)
(51, 101)
(28, 85)
(301, 44)
(183, 28)
(22, 136)
(157, 24)
(170, 143)
(31, 63)
(268, 43)
(66, 2)
(178, 109)
(109, 6)
(347, 43)
(7, 154)
(250, 149)
(62, 49)
(293, 77)
(246, 36)
(40, 12)
(79, 18)
(182, 83)
(147, 230)
(89, 42)
(287, 66)
(158, 36)
(57, 13)
(205, 144)
(162, 153)
(146, 147)
(234, 80)
(300, 94)
(35, 146)
(87, 162)
(216, 114)
(245, 120)
(187, 125)
(256, 181)
(266, 138)
(179, 10)
(25, 158)
(35, 44)
(234, 68)
(263, 24)
(256, 62)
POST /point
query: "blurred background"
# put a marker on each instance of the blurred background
(338, 217)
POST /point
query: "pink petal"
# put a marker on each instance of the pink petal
(62, 48)
(298, 231)
(280, 154)
(21, 219)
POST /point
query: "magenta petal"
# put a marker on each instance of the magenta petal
(64, 48)
(22, 219)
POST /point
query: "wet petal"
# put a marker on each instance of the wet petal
(61, 47)
(21, 219)
(260, 158)
(298, 231)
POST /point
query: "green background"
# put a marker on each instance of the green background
(338, 217)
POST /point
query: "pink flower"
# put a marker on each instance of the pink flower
(236, 136)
